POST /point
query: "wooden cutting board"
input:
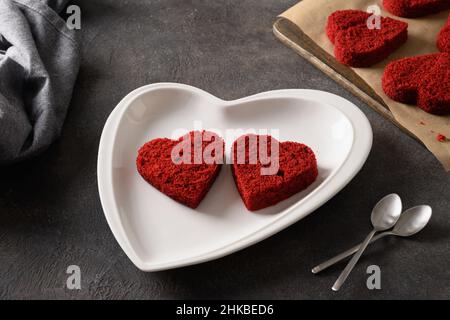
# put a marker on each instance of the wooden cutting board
(289, 34)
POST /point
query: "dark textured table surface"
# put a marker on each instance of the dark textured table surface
(51, 216)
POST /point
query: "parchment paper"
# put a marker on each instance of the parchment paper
(311, 17)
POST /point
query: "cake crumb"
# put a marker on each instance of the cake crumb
(441, 138)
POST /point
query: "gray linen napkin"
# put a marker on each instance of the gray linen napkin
(39, 63)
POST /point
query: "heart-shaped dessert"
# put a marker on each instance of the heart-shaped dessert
(262, 181)
(343, 19)
(434, 89)
(422, 80)
(415, 8)
(402, 77)
(183, 169)
(358, 43)
(443, 42)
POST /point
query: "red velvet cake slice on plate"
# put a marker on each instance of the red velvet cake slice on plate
(443, 42)
(184, 177)
(359, 46)
(415, 8)
(296, 170)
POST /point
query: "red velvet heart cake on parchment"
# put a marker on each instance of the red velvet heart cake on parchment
(443, 42)
(185, 178)
(357, 45)
(415, 8)
(294, 171)
(422, 80)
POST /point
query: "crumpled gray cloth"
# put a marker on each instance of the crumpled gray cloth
(39, 63)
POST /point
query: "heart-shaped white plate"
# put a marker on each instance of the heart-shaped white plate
(158, 233)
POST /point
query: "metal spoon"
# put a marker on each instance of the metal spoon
(384, 216)
(411, 221)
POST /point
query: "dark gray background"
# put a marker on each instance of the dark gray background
(50, 213)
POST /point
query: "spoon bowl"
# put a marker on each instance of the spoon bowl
(386, 212)
(412, 221)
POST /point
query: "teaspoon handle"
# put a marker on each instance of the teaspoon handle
(345, 254)
(340, 281)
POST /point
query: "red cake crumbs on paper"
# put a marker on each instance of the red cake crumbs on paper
(358, 46)
(297, 170)
(422, 80)
(186, 183)
(415, 8)
(441, 138)
(443, 42)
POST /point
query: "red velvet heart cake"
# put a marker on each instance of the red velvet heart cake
(434, 89)
(415, 8)
(296, 169)
(422, 80)
(357, 45)
(443, 42)
(183, 169)
(344, 19)
(402, 77)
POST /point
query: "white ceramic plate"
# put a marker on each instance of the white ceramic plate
(158, 233)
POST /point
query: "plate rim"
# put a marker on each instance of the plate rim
(357, 156)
